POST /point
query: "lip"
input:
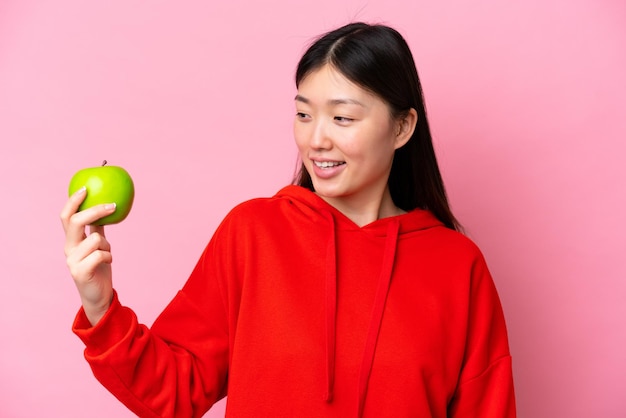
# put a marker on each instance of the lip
(329, 172)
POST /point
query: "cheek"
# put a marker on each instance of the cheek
(300, 138)
(298, 135)
(377, 146)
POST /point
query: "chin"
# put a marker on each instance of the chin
(328, 192)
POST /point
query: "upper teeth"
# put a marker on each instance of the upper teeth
(325, 164)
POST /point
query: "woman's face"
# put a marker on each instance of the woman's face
(346, 137)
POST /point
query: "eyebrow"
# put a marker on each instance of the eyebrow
(333, 102)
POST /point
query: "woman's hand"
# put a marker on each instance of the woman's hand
(88, 256)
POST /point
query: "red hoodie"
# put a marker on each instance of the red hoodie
(295, 311)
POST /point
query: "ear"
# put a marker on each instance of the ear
(405, 128)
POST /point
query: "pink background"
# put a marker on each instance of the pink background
(526, 101)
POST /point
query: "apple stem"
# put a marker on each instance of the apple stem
(104, 162)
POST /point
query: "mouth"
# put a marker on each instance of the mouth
(328, 164)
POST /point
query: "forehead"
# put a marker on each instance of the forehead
(327, 84)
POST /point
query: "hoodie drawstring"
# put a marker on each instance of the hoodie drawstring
(331, 309)
(380, 300)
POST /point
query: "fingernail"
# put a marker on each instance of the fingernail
(81, 190)
(109, 206)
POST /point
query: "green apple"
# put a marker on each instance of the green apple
(105, 184)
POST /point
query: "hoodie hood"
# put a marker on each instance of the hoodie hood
(391, 229)
(314, 206)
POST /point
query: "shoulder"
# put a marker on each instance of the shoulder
(460, 242)
(422, 225)
(259, 212)
(445, 244)
(259, 208)
(292, 202)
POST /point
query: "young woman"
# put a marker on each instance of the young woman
(350, 294)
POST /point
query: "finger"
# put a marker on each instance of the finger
(84, 271)
(93, 242)
(99, 257)
(75, 229)
(96, 229)
(71, 206)
(90, 215)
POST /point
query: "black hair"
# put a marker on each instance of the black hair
(378, 59)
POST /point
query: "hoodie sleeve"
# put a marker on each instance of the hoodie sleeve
(485, 387)
(177, 368)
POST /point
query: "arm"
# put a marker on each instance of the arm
(176, 369)
(485, 386)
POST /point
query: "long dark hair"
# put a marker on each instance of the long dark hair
(377, 58)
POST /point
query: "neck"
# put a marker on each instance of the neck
(365, 212)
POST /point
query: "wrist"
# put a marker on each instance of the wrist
(95, 311)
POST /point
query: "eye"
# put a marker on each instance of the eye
(302, 116)
(342, 119)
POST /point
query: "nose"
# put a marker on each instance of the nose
(320, 139)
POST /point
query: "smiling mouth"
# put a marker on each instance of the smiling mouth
(328, 164)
